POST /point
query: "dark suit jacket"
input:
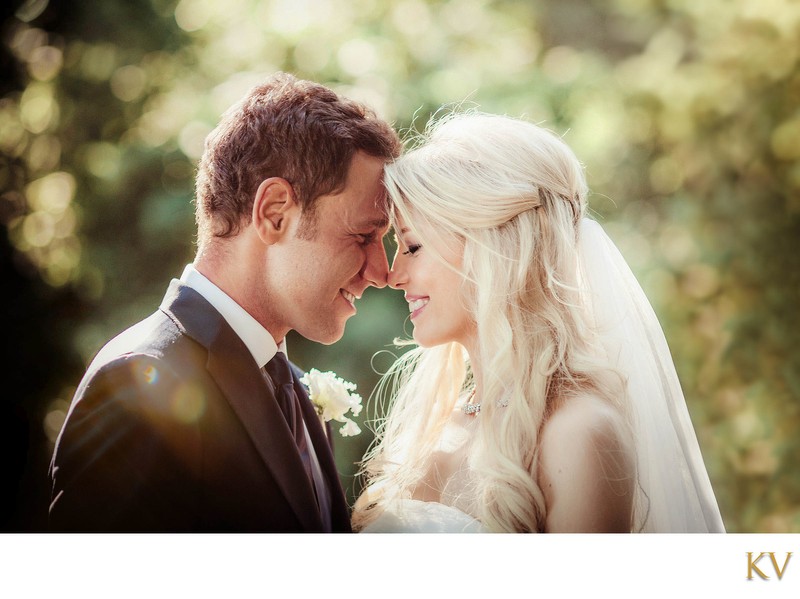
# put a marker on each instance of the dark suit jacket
(174, 428)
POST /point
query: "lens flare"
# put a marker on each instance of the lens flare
(151, 375)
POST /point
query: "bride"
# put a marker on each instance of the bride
(541, 396)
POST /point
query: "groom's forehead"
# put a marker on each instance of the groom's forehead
(365, 214)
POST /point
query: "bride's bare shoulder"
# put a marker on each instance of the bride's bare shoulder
(587, 467)
(585, 417)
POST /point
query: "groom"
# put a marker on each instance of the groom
(192, 420)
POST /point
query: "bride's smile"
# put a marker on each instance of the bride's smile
(416, 304)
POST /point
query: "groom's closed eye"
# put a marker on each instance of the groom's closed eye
(375, 230)
(365, 239)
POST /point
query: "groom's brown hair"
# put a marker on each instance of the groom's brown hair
(290, 128)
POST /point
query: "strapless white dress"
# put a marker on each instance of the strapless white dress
(413, 516)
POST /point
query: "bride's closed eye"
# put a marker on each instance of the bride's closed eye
(413, 249)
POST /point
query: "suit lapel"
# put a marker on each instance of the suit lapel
(251, 397)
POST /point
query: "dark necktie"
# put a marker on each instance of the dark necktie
(281, 375)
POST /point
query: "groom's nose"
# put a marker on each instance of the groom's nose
(376, 264)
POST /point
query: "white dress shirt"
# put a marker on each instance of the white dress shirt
(262, 347)
(258, 340)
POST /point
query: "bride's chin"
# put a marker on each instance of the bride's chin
(423, 341)
(420, 339)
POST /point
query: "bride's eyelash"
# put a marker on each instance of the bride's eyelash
(413, 249)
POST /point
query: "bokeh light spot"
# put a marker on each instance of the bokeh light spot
(294, 16)
(357, 57)
(12, 132)
(128, 83)
(44, 153)
(785, 140)
(52, 193)
(26, 39)
(412, 17)
(31, 9)
(103, 160)
(188, 402)
(57, 273)
(462, 16)
(311, 54)
(759, 459)
(666, 175)
(192, 138)
(562, 64)
(54, 419)
(45, 63)
(38, 229)
(449, 85)
(191, 15)
(38, 109)
(677, 245)
(700, 281)
(98, 62)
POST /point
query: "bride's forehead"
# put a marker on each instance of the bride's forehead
(402, 224)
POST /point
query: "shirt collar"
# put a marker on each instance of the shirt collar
(258, 340)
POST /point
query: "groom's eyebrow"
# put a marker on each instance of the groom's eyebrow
(379, 223)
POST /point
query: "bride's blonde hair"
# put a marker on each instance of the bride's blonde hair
(513, 193)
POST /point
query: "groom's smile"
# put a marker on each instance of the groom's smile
(350, 297)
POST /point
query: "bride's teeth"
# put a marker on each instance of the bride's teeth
(349, 296)
(415, 305)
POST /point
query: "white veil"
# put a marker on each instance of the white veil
(674, 493)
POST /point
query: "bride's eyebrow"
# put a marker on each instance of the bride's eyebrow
(402, 231)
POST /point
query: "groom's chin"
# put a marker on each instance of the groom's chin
(324, 335)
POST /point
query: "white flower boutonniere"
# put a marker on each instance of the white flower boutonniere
(332, 398)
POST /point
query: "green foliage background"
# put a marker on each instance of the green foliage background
(686, 114)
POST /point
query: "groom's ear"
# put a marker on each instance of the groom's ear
(274, 206)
